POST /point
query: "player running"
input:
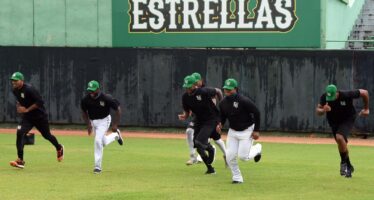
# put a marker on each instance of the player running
(96, 113)
(217, 98)
(199, 101)
(341, 115)
(31, 108)
(244, 119)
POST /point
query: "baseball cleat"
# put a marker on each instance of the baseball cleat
(236, 182)
(60, 154)
(349, 171)
(97, 171)
(257, 157)
(343, 169)
(210, 171)
(17, 163)
(120, 139)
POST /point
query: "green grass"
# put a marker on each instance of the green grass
(155, 169)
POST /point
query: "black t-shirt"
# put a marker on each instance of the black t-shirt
(342, 108)
(27, 96)
(240, 111)
(201, 104)
(99, 107)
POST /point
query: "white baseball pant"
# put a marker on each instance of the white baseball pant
(100, 127)
(240, 144)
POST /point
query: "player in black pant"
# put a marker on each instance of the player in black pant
(341, 114)
(31, 107)
(199, 101)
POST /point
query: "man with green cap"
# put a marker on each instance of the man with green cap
(244, 121)
(341, 115)
(31, 107)
(96, 114)
(216, 99)
(199, 102)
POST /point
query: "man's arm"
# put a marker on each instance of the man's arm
(184, 115)
(22, 109)
(364, 94)
(219, 95)
(117, 117)
(87, 121)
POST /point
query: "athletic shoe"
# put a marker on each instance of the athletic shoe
(257, 157)
(97, 171)
(120, 139)
(226, 164)
(237, 182)
(210, 171)
(60, 154)
(17, 163)
(348, 172)
(211, 155)
(343, 169)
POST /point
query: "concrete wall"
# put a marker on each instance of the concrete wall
(56, 23)
(285, 85)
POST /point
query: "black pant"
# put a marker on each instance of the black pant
(43, 127)
(202, 133)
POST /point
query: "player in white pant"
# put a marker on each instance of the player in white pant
(194, 157)
(100, 127)
(244, 119)
(96, 113)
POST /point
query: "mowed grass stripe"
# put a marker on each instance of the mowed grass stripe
(155, 169)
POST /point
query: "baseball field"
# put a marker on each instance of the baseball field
(154, 168)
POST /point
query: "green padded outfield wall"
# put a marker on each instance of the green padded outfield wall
(217, 23)
(74, 23)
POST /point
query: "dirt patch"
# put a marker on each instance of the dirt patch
(271, 139)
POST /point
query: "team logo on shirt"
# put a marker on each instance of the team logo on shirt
(102, 103)
(22, 95)
(342, 103)
(236, 104)
(198, 97)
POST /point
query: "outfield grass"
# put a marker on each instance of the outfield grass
(155, 169)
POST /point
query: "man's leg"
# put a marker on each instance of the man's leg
(344, 154)
(101, 127)
(341, 133)
(105, 124)
(43, 126)
(190, 143)
(202, 145)
(231, 156)
(24, 127)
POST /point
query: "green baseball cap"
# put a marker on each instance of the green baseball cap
(331, 92)
(16, 76)
(230, 84)
(197, 76)
(93, 86)
(189, 81)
